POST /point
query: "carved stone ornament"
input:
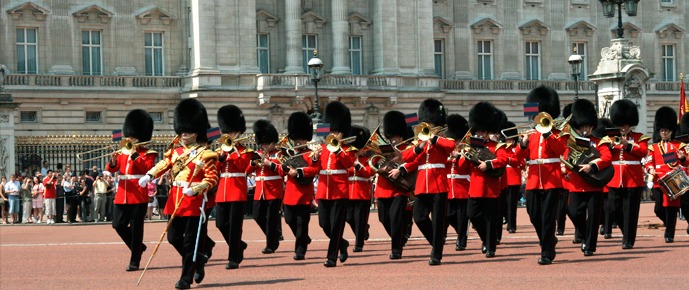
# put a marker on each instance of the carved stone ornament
(4, 118)
(620, 49)
(3, 156)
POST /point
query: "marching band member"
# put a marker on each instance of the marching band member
(544, 179)
(193, 171)
(131, 200)
(684, 199)
(484, 190)
(563, 202)
(359, 205)
(270, 188)
(392, 201)
(431, 185)
(513, 177)
(658, 164)
(585, 199)
(231, 195)
(458, 180)
(606, 220)
(333, 184)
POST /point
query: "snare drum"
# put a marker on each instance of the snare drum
(674, 184)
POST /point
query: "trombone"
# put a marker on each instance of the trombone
(334, 142)
(423, 131)
(227, 143)
(542, 123)
(126, 146)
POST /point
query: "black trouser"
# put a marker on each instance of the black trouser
(392, 215)
(606, 219)
(484, 213)
(562, 211)
(230, 220)
(182, 235)
(684, 205)
(671, 217)
(59, 209)
(85, 208)
(457, 218)
(433, 228)
(502, 215)
(72, 201)
(205, 246)
(357, 218)
(541, 205)
(331, 218)
(658, 207)
(109, 206)
(585, 210)
(624, 204)
(267, 216)
(513, 196)
(297, 218)
(128, 222)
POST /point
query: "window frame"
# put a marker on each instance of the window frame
(441, 55)
(664, 60)
(583, 68)
(479, 59)
(100, 117)
(153, 48)
(25, 46)
(265, 49)
(307, 51)
(90, 46)
(353, 51)
(35, 120)
(528, 56)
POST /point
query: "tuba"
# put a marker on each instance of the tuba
(382, 163)
(580, 155)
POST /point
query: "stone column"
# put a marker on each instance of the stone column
(7, 151)
(385, 60)
(293, 37)
(340, 37)
(426, 64)
(203, 56)
(236, 36)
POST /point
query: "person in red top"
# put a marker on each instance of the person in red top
(684, 199)
(544, 176)
(626, 186)
(429, 158)
(333, 184)
(233, 164)
(484, 190)
(299, 186)
(664, 125)
(191, 163)
(586, 199)
(130, 203)
(392, 200)
(270, 187)
(50, 183)
(458, 178)
(359, 204)
(513, 180)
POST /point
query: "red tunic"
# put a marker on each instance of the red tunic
(629, 172)
(655, 160)
(332, 169)
(576, 182)
(544, 160)
(430, 162)
(232, 184)
(385, 188)
(458, 177)
(295, 193)
(360, 181)
(513, 170)
(482, 185)
(128, 189)
(269, 184)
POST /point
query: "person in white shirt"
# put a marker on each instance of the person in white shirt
(12, 194)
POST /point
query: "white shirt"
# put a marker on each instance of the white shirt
(12, 186)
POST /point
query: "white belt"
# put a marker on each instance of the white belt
(431, 165)
(357, 178)
(232, 174)
(266, 178)
(333, 171)
(129, 177)
(457, 176)
(543, 161)
(626, 162)
(184, 183)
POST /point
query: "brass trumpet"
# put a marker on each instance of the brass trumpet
(227, 143)
(542, 123)
(423, 131)
(334, 142)
(126, 146)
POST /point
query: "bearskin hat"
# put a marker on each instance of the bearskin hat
(138, 124)
(265, 132)
(567, 110)
(299, 126)
(339, 118)
(684, 124)
(603, 123)
(547, 98)
(231, 119)
(666, 118)
(362, 135)
(432, 111)
(395, 124)
(485, 117)
(191, 117)
(583, 113)
(457, 126)
(624, 112)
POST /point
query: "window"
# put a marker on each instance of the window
(29, 117)
(91, 53)
(532, 61)
(580, 49)
(263, 52)
(439, 57)
(156, 116)
(485, 60)
(355, 54)
(153, 43)
(667, 1)
(27, 55)
(93, 117)
(309, 43)
(668, 62)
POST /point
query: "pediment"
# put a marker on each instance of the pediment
(581, 28)
(93, 13)
(442, 24)
(670, 30)
(155, 13)
(629, 27)
(534, 27)
(486, 24)
(312, 21)
(28, 8)
(360, 19)
(265, 20)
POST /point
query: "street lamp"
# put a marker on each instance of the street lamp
(575, 61)
(315, 66)
(630, 6)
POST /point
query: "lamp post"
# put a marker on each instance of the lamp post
(315, 66)
(575, 61)
(630, 6)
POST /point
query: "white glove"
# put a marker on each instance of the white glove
(143, 181)
(188, 191)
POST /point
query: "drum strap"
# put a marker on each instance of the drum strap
(661, 146)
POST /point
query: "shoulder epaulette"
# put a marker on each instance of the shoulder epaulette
(644, 138)
(247, 150)
(605, 140)
(500, 144)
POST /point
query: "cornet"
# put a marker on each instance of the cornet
(334, 142)
(227, 143)
(423, 131)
